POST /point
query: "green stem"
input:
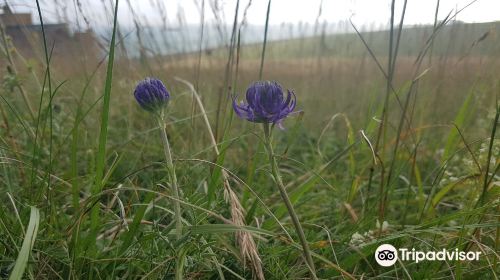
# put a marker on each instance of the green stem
(173, 178)
(281, 187)
(177, 205)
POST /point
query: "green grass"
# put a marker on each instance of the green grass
(103, 137)
(26, 248)
(408, 157)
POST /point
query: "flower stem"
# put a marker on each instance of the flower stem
(173, 178)
(177, 205)
(281, 187)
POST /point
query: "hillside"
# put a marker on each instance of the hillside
(455, 39)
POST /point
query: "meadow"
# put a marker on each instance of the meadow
(394, 140)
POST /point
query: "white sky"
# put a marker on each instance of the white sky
(282, 11)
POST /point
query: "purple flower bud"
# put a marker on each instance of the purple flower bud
(151, 94)
(265, 103)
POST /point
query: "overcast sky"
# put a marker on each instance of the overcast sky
(282, 11)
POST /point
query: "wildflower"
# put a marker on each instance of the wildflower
(265, 103)
(151, 94)
(357, 239)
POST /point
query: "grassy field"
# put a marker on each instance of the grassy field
(394, 141)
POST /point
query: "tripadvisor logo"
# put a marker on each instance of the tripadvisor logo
(387, 255)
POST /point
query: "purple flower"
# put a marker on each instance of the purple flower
(266, 103)
(151, 94)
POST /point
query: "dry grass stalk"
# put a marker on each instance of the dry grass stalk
(248, 248)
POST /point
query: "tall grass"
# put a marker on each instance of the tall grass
(103, 137)
(388, 146)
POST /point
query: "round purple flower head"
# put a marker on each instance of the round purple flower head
(266, 103)
(151, 94)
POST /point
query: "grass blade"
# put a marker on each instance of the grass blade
(460, 119)
(265, 40)
(29, 241)
(101, 154)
